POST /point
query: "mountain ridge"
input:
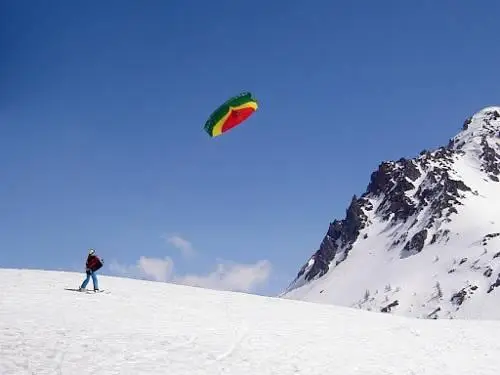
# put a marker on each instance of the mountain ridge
(410, 206)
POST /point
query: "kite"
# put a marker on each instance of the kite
(231, 114)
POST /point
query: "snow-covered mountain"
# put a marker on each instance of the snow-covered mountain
(143, 327)
(424, 238)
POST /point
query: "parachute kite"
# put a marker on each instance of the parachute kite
(230, 114)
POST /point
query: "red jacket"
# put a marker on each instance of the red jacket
(93, 263)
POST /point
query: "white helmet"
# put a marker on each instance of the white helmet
(91, 251)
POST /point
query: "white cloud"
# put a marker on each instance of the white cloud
(158, 269)
(180, 243)
(227, 276)
(233, 277)
(149, 268)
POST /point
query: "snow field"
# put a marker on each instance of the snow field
(144, 327)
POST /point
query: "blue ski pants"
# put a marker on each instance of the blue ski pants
(94, 280)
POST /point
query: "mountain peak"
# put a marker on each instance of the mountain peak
(483, 124)
(421, 222)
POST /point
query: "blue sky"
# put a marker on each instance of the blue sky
(102, 106)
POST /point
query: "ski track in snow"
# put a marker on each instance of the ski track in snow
(145, 327)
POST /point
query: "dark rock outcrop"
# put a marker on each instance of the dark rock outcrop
(339, 238)
(416, 244)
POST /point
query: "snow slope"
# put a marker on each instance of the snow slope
(424, 239)
(143, 327)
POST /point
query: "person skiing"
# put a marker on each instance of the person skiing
(93, 264)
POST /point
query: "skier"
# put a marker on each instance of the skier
(93, 264)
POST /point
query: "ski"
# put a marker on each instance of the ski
(88, 291)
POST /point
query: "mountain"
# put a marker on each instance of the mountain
(142, 327)
(423, 240)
